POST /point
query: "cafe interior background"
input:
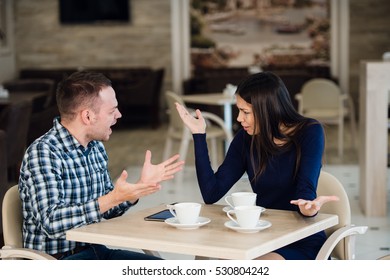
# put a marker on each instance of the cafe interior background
(202, 46)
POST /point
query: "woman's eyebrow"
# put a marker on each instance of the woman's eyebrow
(242, 109)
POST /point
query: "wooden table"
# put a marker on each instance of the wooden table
(215, 99)
(212, 240)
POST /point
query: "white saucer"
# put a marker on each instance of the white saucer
(262, 224)
(175, 223)
(227, 208)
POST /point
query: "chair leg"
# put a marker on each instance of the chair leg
(341, 139)
(354, 133)
(183, 155)
(214, 153)
(168, 148)
(353, 130)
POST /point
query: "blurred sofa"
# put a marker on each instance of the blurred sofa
(138, 89)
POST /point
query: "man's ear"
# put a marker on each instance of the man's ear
(85, 116)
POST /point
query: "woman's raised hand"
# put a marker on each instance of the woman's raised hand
(195, 124)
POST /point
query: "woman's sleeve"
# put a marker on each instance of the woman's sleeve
(214, 186)
(312, 149)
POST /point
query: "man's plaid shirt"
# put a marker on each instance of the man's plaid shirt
(60, 182)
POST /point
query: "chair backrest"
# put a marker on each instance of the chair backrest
(385, 257)
(321, 93)
(330, 185)
(175, 121)
(3, 164)
(3, 178)
(12, 226)
(12, 218)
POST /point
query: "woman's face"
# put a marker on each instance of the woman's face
(245, 115)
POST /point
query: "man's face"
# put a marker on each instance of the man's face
(105, 117)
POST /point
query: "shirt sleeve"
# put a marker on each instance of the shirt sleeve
(120, 209)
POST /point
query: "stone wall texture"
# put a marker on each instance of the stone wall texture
(42, 41)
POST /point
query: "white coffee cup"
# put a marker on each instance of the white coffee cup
(186, 212)
(241, 199)
(246, 216)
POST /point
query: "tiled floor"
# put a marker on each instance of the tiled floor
(127, 147)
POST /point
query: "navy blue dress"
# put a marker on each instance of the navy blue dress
(276, 187)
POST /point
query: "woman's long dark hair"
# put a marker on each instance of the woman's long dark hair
(272, 107)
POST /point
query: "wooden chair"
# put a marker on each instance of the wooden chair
(385, 257)
(12, 226)
(322, 99)
(3, 177)
(341, 238)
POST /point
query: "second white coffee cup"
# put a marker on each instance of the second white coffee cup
(246, 216)
(241, 199)
(186, 212)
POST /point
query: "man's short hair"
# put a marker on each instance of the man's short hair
(80, 89)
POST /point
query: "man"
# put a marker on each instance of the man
(64, 182)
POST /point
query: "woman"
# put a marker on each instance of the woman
(280, 150)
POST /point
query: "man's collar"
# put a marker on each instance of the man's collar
(69, 141)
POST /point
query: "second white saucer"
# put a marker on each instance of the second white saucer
(175, 223)
(262, 224)
(227, 208)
